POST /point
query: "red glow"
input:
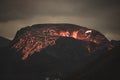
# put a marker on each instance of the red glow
(74, 34)
(30, 44)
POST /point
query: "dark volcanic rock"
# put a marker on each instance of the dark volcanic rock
(64, 54)
(115, 43)
(4, 42)
(30, 40)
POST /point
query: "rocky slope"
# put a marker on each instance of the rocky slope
(68, 59)
(60, 52)
(32, 39)
(4, 42)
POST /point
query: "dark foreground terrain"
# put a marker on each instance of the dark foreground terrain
(67, 60)
(4, 42)
(59, 52)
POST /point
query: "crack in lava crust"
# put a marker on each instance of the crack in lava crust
(33, 39)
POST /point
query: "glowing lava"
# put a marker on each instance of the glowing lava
(33, 39)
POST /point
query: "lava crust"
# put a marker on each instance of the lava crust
(33, 39)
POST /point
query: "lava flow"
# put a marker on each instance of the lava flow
(33, 39)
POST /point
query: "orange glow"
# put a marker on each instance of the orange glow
(75, 34)
(64, 34)
(30, 44)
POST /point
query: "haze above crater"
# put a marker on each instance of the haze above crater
(101, 15)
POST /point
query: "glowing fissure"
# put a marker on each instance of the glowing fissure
(34, 40)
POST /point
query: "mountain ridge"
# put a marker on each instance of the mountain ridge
(34, 38)
(67, 59)
(4, 42)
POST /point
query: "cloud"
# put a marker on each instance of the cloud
(103, 15)
(22, 9)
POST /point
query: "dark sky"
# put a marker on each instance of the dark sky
(102, 15)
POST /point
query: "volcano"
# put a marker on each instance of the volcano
(32, 39)
(60, 52)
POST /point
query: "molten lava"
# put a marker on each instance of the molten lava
(33, 39)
